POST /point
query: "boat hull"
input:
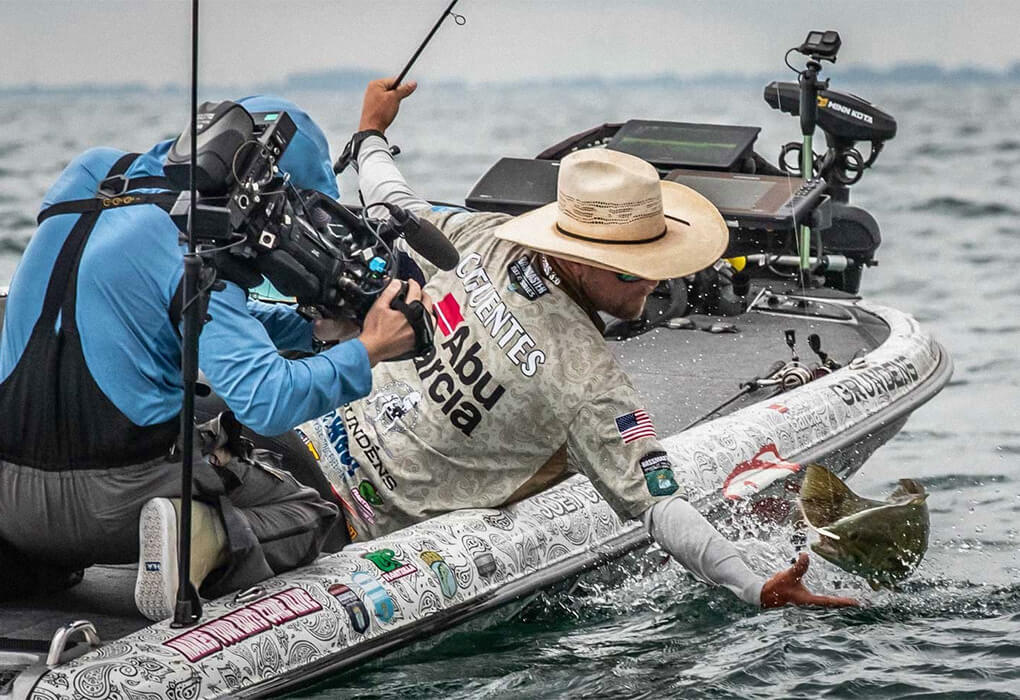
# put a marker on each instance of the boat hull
(376, 596)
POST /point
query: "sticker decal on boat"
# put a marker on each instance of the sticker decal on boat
(386, 561)
(385, 608)
(236, 626)
(442, 571)
(500, 520)
(750, 477)
(875, 380)
(486, 564)
(356, 610)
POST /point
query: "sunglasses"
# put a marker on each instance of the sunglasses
(624, 277)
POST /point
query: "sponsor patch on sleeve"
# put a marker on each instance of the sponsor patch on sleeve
(635, 425)
(658, 471)
(525, 280)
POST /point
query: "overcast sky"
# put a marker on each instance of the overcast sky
(71, 41)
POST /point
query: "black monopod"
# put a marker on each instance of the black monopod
(188, 607)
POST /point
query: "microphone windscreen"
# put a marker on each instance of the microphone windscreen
(432, 245)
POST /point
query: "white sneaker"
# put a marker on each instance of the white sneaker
(156, 586)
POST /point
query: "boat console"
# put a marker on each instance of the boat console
(787, 221)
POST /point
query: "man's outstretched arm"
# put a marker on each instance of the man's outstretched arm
(636, 477)
(683, 532)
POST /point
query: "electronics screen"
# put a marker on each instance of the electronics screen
(768, 201)
(671, 145)
(518, 185)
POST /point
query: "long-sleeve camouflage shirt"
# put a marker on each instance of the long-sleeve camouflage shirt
(520, 382)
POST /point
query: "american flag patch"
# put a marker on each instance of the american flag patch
(634, 426)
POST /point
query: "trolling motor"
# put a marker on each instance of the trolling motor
(844, 118)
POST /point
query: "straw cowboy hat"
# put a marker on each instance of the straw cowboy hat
(613, 212)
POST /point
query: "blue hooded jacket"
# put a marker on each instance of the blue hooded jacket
(131, 268)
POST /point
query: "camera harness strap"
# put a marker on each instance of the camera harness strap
(112, 193)
(60, 419)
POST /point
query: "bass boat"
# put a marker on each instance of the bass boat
(765, 362)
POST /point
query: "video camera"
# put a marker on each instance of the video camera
(254, 223)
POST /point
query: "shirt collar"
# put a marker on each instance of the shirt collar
(551, 270)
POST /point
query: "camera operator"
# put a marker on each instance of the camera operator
(91, 390)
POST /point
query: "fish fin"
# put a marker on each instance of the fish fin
(824, 498)
(908, 490)
(828, 533)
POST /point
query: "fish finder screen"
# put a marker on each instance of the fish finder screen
(730, 194)
(679, 145)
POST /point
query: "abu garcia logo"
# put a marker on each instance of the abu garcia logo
(460, 383)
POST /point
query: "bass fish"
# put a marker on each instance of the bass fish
(880, 541)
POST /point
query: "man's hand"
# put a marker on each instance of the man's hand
(386, 332)
(785, 588)
(381, 102)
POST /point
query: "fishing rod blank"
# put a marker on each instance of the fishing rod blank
(347, 155)
(448, 12)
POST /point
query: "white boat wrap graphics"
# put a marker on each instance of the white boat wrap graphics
(376, 595)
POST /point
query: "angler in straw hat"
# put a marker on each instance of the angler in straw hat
(520, 383)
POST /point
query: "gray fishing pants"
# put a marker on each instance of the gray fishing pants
(73, 519)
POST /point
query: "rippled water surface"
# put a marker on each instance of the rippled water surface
(945, 192)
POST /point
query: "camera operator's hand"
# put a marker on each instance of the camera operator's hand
(379, 108)
(386, 332)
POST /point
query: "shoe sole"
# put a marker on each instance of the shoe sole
(155, 587)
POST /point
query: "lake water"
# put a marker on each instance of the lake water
(945, 192)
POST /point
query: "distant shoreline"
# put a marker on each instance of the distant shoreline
(343, 80)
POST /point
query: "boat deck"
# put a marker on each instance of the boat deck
(682, 374)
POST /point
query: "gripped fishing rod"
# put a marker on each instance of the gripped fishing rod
(188, 607)
(448, 12)
(348, 153)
